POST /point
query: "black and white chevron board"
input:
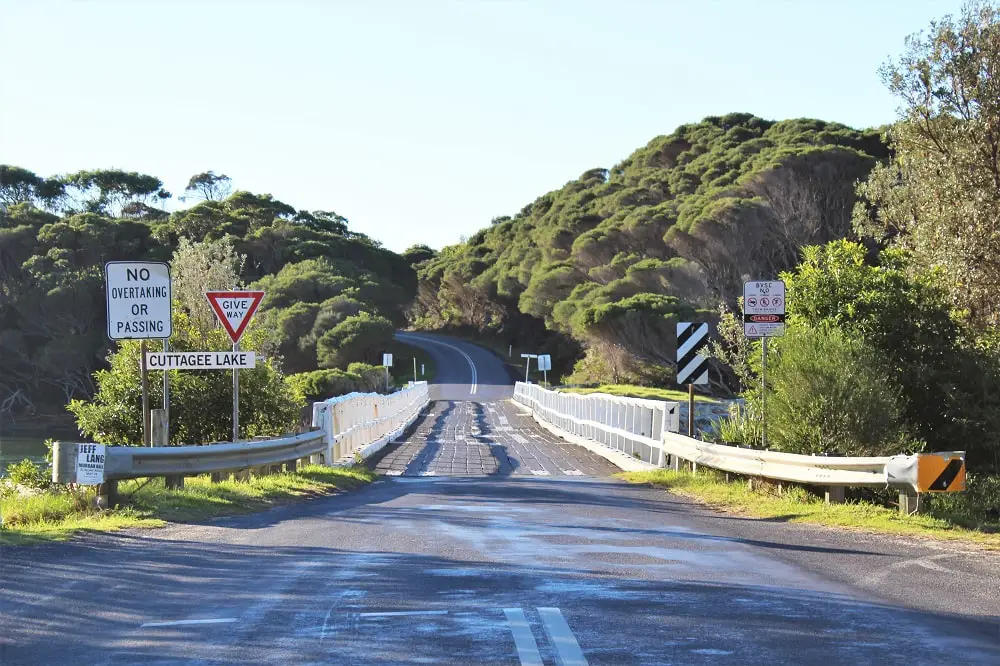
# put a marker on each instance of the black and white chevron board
(692, 367)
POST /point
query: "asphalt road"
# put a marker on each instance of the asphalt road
(492, 561)
(464, 371)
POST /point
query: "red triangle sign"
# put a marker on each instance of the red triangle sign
(234, 309)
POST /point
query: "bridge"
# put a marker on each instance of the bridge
(489, 540)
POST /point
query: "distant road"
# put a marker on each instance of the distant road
(464, 371)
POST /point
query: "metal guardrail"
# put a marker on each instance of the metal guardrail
(133, 462)
(357, 423)
(630, 425)
(623, 427)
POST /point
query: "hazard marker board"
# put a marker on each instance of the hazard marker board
(692, 365)
(941, 472)
(234, 309)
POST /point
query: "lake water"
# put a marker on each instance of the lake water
(16, 449)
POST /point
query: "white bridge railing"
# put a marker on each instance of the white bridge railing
(629, 425)
(360, 424)
(647, 429)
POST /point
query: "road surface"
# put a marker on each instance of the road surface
(490, 542)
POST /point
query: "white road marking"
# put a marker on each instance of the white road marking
(472, 365)
(403, 613)
(540, 472)
(572, 472)
(394, 472)
(174, 623)
(518, 438)
(431, 473)
(926, 561)
(527, 648)
(568, 652)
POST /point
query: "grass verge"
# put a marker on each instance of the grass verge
(796, 505)
(57, 515)
(648, 393)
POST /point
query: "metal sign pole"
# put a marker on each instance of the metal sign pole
(236, 398)
(763, 393)
(690, 410)
(166, 394)
(414, 369)
(527, 366)
(145, 394)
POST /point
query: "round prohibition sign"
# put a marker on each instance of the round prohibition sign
(776, 301)
(764, 302)
(752, 301)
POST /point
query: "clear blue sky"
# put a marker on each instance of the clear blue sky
(420, 120)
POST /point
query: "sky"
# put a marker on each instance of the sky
(420, 120)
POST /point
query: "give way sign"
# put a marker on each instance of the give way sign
(234, 309)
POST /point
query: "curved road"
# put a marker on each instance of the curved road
(489, 541)
(464, 371)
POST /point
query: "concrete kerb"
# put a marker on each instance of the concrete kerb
(617, 458)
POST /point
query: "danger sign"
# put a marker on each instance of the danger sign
(764, 309)
(234, 309)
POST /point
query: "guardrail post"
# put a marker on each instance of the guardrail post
(909, 502)
(107, 495)
(834, 494)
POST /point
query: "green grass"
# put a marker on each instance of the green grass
(59, 515)
(648, 393)
(795, 505)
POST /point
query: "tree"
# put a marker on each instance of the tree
(357, 338)
(198, 267)
(108, 191)
(19, 185)
(939, 195)
(200, 400)
(208, 187)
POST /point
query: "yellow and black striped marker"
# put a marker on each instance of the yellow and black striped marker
(941, 472)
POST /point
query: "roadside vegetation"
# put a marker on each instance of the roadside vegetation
(41, 511)
(645, 392)
(954, 518)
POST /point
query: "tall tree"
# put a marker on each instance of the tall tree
(109, 191)
(940, 194)
(208, 186)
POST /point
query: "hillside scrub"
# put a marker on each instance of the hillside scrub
(612, 260)
(57, 233)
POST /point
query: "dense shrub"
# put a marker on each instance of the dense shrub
(828, 392)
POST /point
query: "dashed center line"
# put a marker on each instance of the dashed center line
(177, 623)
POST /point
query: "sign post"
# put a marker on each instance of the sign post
(763, 317)
(234, 310)
(527, 364)
(545, 364)
(138, 301)
(414, 369)
(387, 362)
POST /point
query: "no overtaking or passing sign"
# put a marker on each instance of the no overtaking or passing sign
(234, 309)
(764, 309)
(138, 294)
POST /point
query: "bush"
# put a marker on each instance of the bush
(200, 400)
(827, 392)
(322, 384)
(28, 474)
(977, 507)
